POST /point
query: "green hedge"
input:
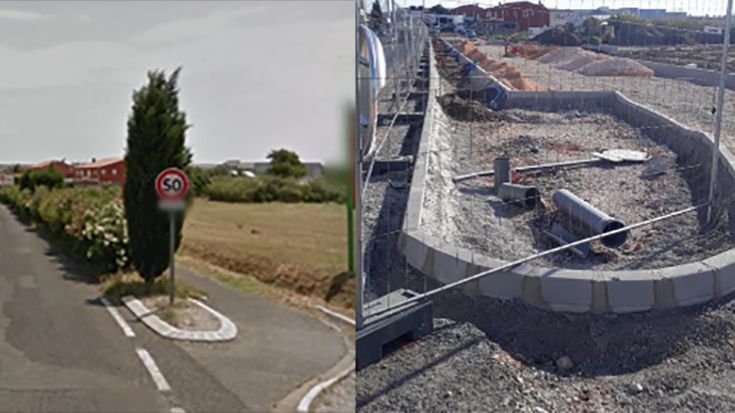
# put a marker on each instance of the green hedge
(272, 189)
(88, 221)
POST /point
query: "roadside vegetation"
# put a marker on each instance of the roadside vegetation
(89, 223)
(283, 182)
(278, 230)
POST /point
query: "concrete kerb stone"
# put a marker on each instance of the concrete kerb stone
(628, 291)
(566, 290)
(575, 290)
(226, 332)
(724, 266)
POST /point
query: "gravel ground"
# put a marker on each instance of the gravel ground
(382, 217)
(705, 56)
(683, 101)
(465, 214)
(340, 398)
(493, 355)
(471, 215)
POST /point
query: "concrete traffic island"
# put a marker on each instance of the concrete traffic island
(559, 284)
(227, 330)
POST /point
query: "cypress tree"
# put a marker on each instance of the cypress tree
(156, 137)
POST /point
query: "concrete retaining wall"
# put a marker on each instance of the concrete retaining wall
(560, 289)
(697, 76)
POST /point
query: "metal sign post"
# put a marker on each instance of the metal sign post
(172, 255)
(718, 113)
(172, 186)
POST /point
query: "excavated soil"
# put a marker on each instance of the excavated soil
(469, 214)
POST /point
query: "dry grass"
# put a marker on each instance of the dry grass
(300, 247)
(119, 285)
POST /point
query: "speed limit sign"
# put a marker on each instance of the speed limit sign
(172, 184)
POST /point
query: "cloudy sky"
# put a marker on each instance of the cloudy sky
(256, 75)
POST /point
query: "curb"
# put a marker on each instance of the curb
(335, 315)
(303, 397)
(314, 392)
(227, 330)
(570, 290)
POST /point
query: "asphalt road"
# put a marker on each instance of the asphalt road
(61, 349)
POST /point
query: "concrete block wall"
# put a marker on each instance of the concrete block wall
(566, 290)
(700, 77)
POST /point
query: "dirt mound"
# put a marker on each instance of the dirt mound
(558, 37)
(475, 54)
(561, 55)
(527, 84)
(532, 51)
(616, 67)
(583, 59)
(465, 47)
(467, 110)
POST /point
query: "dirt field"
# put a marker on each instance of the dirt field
(300, 247)
(705, 56)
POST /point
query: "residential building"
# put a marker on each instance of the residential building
(110, 170)
(523, 13)
(313, 169)
(64, 168)
(471, 12)
(7, 179)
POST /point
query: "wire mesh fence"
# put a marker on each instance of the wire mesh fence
(552, 128)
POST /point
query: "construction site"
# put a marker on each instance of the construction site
(560, 210)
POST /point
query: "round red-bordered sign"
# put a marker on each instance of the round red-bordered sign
(172, 184)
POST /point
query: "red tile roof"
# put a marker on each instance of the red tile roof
(100, 163)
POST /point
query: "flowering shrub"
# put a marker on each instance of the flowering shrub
(91, 221)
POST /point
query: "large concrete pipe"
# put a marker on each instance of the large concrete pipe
(521, 194)
(502, 171)
(591, 218)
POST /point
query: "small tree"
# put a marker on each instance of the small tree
(286, 164)
(50, 178)
(156, 137)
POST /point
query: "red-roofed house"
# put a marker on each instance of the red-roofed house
(61, 166)
(110, 170)
(471, 12)
(521, 14)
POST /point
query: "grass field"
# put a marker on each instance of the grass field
(300, 247)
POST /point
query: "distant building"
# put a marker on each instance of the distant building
(64, 168)
(564, 17)
(471, 12)
(661, 14)
(314, 170)
(523, 14)
(110, 170)
(7, 179)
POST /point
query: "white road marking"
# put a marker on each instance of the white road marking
(147, 360)
(335, 314)
(177, 410)
(305, 403)
(120, 321)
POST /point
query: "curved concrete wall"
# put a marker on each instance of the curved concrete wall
(564, 289)
(700, 77)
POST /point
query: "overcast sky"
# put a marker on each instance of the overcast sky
(693, 7)
(256, 75)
